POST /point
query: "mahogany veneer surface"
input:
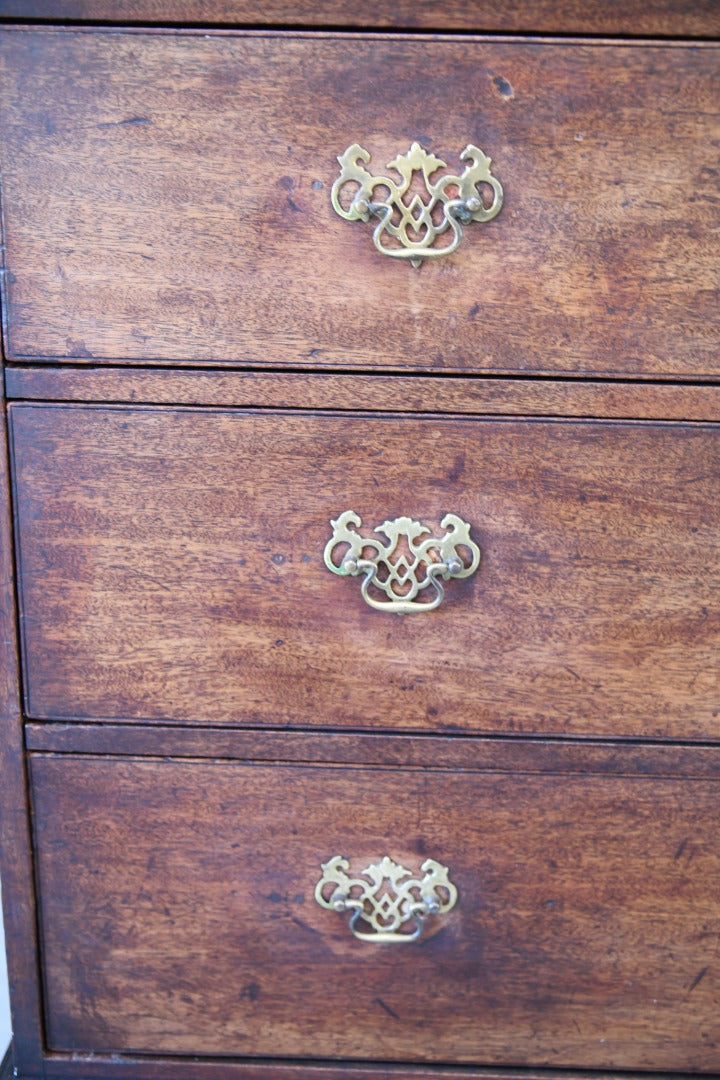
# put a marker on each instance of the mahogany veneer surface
(206, 365)
(671, 17)
(171, 568)
(581, 934)
(167, 197)
(588, 398)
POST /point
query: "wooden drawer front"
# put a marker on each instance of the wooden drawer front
(178, 914)
(167, 197)
(171, 567)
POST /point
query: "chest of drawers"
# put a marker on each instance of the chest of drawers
(255, 823)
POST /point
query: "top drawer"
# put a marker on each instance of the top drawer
(167, 198)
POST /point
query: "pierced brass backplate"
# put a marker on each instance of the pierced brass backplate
(387, 903)
(406, 566)
(409, 224)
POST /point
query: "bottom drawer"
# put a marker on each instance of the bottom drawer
(178, 913)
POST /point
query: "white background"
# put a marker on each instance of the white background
(4, 1006)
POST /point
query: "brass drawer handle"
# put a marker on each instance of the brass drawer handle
(401, 578)
(408, 227)
(387, 903)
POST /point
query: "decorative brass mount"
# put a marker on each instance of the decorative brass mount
(387, 901)
(400, 578)
(453, 200)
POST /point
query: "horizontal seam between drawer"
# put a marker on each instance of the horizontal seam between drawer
(372, 766)
(617, 742)
(377, 414)
(99, 365)
(438, 35)
(500, 414)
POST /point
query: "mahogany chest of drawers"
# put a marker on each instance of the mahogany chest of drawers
(360, 617)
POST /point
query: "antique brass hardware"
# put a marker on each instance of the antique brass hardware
(387, 903)
(389, 571)
(409, 229)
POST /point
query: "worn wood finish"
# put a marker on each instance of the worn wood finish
(18, 901)
(670, 17)
(171, 568)
(125, 1067)
(584, 933)
(389, 751)
(379, 393)
(167, 197)
(167, 204)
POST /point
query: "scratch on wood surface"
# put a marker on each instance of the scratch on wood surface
(698, 978)
(383, 1005)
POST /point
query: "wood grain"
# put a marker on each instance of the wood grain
(179, 916)
(166, 197)
(171, 569)
(379, 393)
(18, 901)
(671, 17)
(556, 756)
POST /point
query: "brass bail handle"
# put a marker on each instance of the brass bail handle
(387, 904)
(409, 226)
(395, 582)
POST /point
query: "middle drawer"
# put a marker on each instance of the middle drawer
(171, 568)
